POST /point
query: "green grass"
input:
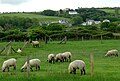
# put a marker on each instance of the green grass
(108, 10)
(105, 68)
(40, 17)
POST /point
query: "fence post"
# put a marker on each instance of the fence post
(101, 38)
(28, 66)
(92, 64)
(82, 38)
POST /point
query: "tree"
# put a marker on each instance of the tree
(104, 25)
(77, 20)
(49, 13)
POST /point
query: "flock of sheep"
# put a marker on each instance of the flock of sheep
(52, 58)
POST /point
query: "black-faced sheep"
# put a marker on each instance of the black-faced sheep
(8, 63)
(77, 64)
(59, 57)
(35, 43)
(33, 63)
(51, 58)
(67, 56)
(112, 53)
(19, 50)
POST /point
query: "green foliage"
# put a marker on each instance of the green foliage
(77, 20)
(55, 26)
(49, 13)
(8, 23)
(105, 25)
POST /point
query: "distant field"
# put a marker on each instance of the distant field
(105, 68)
(109, 10)
(40, 17)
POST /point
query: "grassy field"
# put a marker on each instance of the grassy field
(105, 68)
(41, 18)
(110, 11)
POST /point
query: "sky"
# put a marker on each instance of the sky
(40, 5)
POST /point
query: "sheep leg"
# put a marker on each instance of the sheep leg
(50, 61)
(81, 72)
(74, 70)
(53, 61)
(31, 68)
(84, 71)
(38, 67)
(14, 67)
(8, 69)
(69, 58)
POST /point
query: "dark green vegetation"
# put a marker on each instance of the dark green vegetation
(105, 68)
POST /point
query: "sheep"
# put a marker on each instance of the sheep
(32, 63)
(8, 63)
(35, 43)
(51, 58)
(19, 50)
(67, 56)
(113, 52)
(77, 64)
(59, 57)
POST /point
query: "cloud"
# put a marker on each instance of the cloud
(13, 2)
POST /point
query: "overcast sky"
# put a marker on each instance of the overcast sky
(40, 5)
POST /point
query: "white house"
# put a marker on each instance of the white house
(91, 22)
(73, 12)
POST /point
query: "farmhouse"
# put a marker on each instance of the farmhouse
(91, 22)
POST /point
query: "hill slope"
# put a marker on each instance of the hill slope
(40, 17)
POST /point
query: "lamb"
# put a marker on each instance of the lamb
(113, 52)
(59, 57)
(77, 64)
(67, 56)
(8, 63)
(33, 63)
(35, 43)
(19, 50)
(51, 58)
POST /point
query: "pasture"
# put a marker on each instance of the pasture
(105, 68)
(41, 18)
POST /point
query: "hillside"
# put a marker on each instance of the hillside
(40, 17)
(110, 10)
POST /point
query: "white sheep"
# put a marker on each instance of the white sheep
(51, 58)
(67, 56)
(77, 64)
(19, 50)
(59, 57)
(35, 43)
(8, 63)
(32, 63)
(113, 52)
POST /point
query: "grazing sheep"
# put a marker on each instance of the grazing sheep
(33, 63)
(35, 43)
(112, 53)
(59, 57)
(8, 63)
(19, 50)
(67, 56)
(77, 64)
(51, 58)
